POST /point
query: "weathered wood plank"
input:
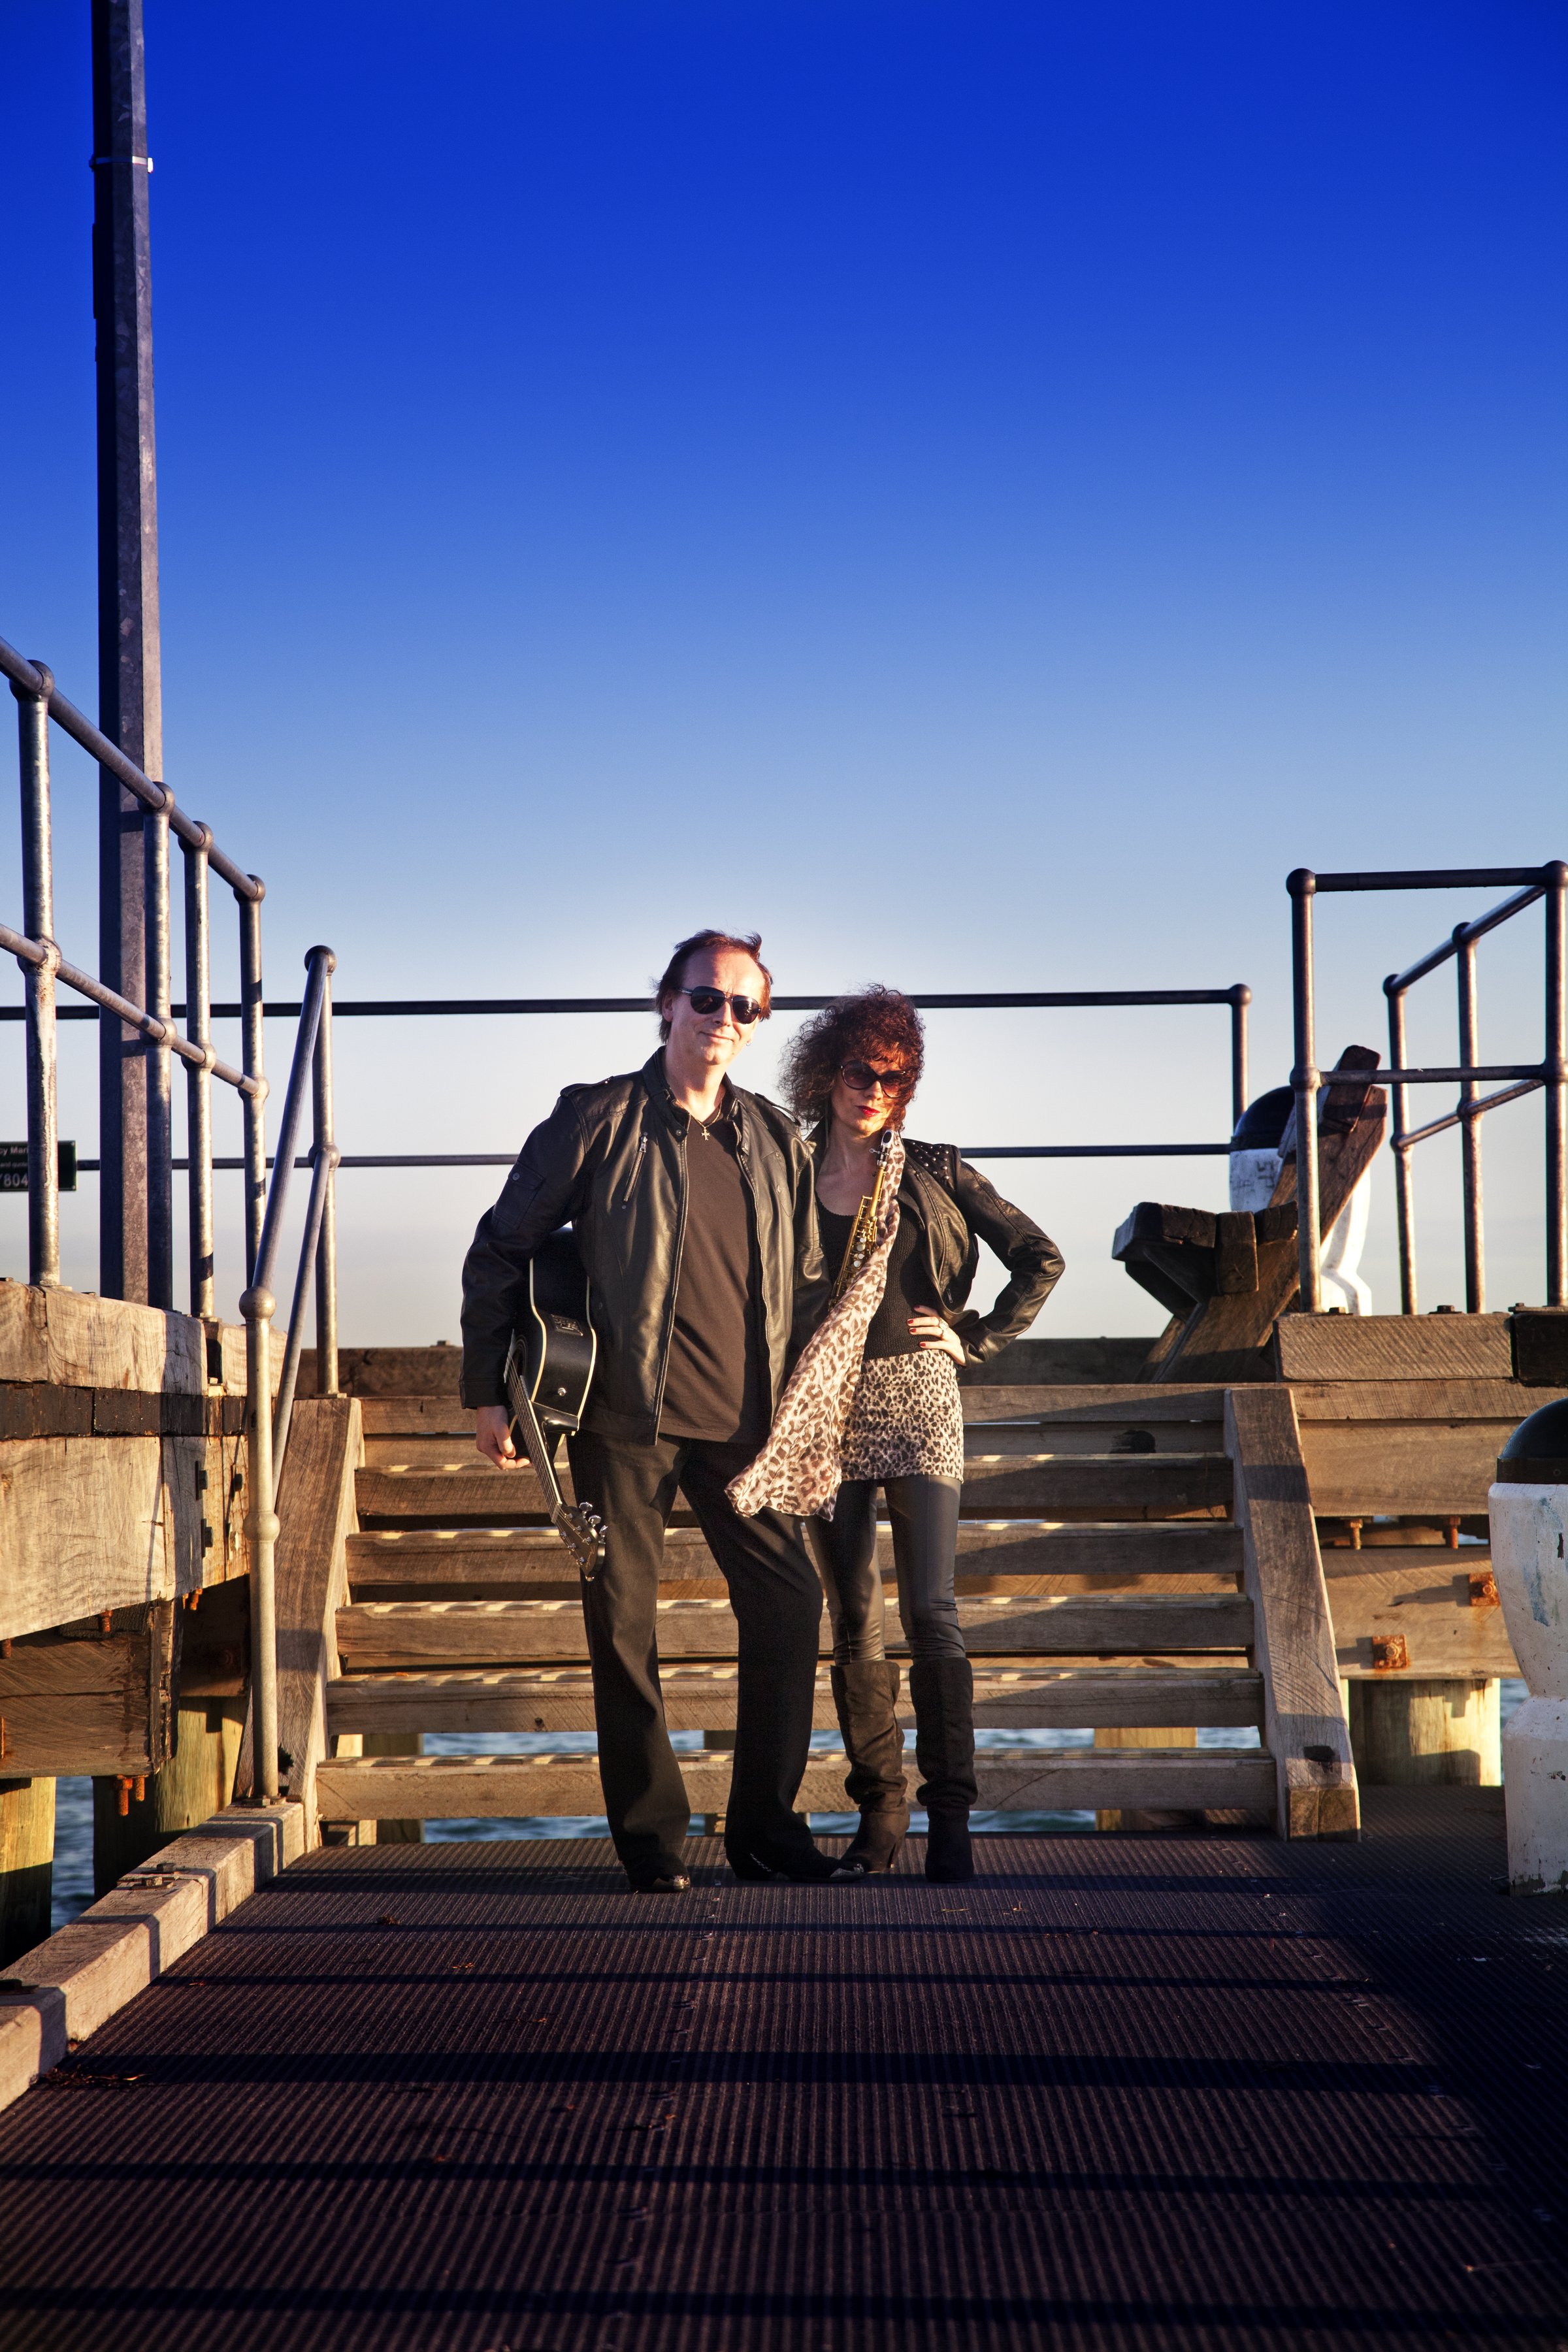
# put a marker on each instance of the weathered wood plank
(79, 1340)
(77, 1733)
(437, 1787)
(1362, 1468)
(405, 1634)
(703, 1698)
(1439, 1605)
(1304, 1726)
(316, 1507)
(84, 1527)
(1506, 1402)
(389, 1371)
(1129, 1400)
(1393, 1348)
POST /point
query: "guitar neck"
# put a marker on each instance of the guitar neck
(538, 1452)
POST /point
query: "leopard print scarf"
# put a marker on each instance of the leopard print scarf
(799, 1469)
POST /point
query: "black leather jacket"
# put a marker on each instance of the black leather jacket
(956, 1209)
(611, 1161)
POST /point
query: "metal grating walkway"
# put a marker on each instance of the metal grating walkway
(1123, 2092)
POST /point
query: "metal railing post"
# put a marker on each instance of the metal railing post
(326, 1149)
(1305, 1078)
(252, 1061)
(1470, 1124)
(1404, 1175)
(159, 1062)
(38, 922)
(1556, 1084)
(261, 1526)
(1240, 998)
(198, 1082)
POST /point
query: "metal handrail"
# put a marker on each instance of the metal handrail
(1513, 1080)
(43, 965)
(39, 700)
(270, 1423)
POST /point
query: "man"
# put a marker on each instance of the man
(694, 1216)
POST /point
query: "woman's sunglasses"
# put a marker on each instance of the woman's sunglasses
(705, 1000)
(861, 1078)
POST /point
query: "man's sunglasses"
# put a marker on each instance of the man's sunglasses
(861, 1078)
(704, 1000)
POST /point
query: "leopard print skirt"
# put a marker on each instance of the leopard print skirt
(906, 1421)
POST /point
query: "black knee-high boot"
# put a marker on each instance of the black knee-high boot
(865, 1693)
(942, 1690)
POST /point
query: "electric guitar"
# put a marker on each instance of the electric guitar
(549, 1371)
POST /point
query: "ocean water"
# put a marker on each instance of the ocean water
(73, 1799)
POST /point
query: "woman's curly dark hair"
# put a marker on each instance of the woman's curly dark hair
(879, 1025)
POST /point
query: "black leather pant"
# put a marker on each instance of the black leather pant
(924, 1515)
(777, 1602)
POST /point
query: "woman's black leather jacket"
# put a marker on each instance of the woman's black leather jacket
(610, 1160)
(957, 1210)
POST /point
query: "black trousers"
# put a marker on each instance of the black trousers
(777, 1600)
(924, 1516)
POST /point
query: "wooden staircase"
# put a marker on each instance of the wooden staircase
(1108, 1580)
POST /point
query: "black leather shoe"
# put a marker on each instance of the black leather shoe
(806, 1865)
(677, 1883)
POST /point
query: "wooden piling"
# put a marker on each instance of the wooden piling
(1407, 1731)
(27, 1865)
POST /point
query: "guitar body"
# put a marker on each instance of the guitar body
(555, 1345)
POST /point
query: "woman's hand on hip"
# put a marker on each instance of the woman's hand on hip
(492, 1436)
(930, 1329)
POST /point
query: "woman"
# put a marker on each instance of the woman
(851, 1073)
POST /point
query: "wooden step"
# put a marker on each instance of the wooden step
(702, 1698)
(400, 1635)
(1123, 1404)
(434, 1451)
(479, 1564)
(522, 1788)
(1130, 1404)
(1152, 1486)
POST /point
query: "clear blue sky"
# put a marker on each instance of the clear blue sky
(978, 492)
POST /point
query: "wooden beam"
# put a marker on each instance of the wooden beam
(75, 1339)
(316, 1509)
(1364, 1469)
(1304, 1728)
(1393, 1348)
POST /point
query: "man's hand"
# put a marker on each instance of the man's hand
(932, 1332)
(492, 1436)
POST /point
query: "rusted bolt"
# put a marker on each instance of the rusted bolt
(140, 1788)
(1451, 1533)
(1483, 1590)
(105, 1620)
(6, 1647)
(124, 1794)
(1389, 1653)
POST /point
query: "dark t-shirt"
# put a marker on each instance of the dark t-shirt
(910, 1287)
(712, 1389)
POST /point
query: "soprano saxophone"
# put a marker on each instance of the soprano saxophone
(863, 1231)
